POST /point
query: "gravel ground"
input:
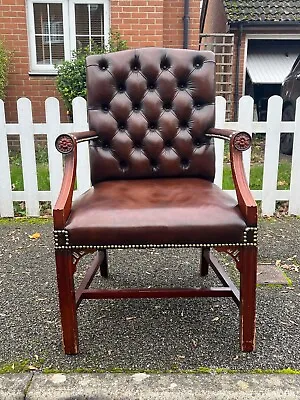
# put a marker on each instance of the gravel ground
(146, 334)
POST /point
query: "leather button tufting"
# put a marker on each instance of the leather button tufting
(167, 107)
(154, 164)
(137, 145)
(184, 124)
(185, 163)
(123, 165)
(136, 107)
(135, 64)
(165, 63)
(121, 126)
(103, 64)
(198, 61)
(168, 143)
(152, 126)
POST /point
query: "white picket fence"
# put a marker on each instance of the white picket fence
(53, 127)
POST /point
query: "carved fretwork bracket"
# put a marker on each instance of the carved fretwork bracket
(78, 254)
(233, 252)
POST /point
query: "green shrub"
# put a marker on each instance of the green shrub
(71, 78)
(4, 63)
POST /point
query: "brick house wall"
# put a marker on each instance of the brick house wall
(216, 20)
(140, 22)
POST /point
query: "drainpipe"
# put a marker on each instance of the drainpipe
(186, 22)
(237, 70)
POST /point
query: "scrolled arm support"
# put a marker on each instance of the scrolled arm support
(239, 141)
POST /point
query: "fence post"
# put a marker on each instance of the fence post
(55, 159)
(294, 203)
(83, 160)
(245, 120)
(6, 200)
(271, 155)
(28, 157)
(219, 143)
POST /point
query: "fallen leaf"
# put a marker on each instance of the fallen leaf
(32, 368)
(35, 235)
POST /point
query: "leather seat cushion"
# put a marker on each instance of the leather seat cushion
(155, 211)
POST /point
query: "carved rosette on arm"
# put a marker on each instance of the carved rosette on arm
(65, 143)
(242, 141)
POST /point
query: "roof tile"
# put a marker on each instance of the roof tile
(262, 10)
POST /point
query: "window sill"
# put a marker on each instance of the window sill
(42, 73)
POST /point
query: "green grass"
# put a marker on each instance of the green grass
(42, 170)
(42, 176)
(256, 176)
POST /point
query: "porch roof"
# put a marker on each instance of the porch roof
(262, 10)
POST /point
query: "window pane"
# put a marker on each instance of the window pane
(89, 21)
(97, 24)
(40, 17)
(82, 19)
(99, 41)
(42, 51)
(49, 33)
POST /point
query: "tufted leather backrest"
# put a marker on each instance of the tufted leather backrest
(150, 108)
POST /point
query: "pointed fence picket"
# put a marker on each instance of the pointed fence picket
(219, 143)
(294, 199)
(6, 199)
(28, 157)
(26, 129)
(54, 157)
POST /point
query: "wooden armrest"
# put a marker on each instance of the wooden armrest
(239, 141)
(67, 145)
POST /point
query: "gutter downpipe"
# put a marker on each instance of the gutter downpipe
(237, 70)
(186, 23)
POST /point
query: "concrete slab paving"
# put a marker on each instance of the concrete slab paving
(14, 386)
(142, 386)
(269, 274)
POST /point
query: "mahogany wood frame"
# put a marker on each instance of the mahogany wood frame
(244, 256)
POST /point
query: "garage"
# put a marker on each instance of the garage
(268, 63)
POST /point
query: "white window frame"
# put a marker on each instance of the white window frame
(68, 10)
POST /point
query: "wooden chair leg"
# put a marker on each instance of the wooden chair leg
(66, 293)
(204, 263)
(248, 277)
(104, 265)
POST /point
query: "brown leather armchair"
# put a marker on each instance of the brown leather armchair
(151, 119)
